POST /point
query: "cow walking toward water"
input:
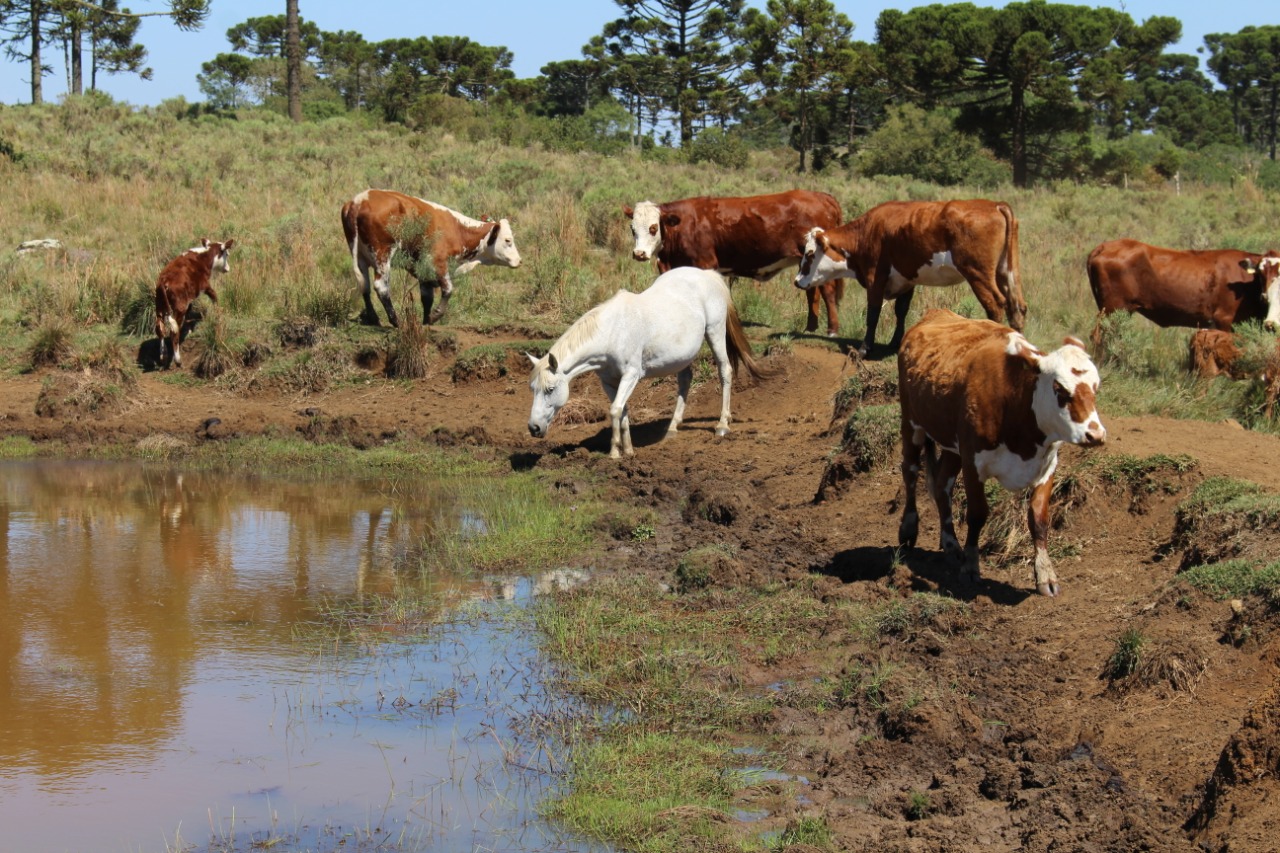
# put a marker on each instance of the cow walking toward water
(898, 246)
(751, 236)
(182, 280)
(380, 223)
(995, 407)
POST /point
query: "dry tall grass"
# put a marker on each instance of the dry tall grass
(125, 190)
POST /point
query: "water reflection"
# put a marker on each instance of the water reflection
(152, 694)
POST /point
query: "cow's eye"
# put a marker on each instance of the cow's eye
(653, 229)
(1063, 395)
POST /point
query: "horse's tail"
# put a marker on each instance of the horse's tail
(740, 348)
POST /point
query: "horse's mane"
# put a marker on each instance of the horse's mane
(582, 331)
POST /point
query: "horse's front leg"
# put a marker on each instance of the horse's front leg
(620, 416)
(683, 380)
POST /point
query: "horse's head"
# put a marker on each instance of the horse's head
(550, 390)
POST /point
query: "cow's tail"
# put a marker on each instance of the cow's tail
(740, 348)
(930, 454)
(351, 232)
(166, 323)
(1010, 276)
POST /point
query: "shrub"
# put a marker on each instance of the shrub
(927, 146)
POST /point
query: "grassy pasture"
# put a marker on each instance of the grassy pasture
(125, 190)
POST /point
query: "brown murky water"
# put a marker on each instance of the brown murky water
(154, 695)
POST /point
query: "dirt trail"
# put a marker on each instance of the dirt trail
(1033, 751)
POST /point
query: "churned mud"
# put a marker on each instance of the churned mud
(1019, 742)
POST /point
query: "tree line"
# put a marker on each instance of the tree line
(949, 91)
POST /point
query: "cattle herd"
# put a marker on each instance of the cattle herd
(978, 400)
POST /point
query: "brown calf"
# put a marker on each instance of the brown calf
(995, 406)
(182, 280)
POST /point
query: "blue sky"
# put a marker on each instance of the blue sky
(536, 32)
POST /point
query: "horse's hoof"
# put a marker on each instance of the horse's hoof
(721, 432)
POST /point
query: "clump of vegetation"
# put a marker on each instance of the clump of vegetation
(918, 805)
(1127, 655)
(700, 567)
(50, 346)
(1225, 519)
(1236, 579)
(407, 349)
(875, 382)
(215, 355)
(813, 831)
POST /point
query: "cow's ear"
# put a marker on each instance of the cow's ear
(671, 220)
(1250, 266)
(1073, 341)
(552, 363)
(493, 233)
(1020, 348)
(204, 242)
(227, 246)
(628, 211)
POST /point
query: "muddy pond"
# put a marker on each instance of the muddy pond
(169, 680)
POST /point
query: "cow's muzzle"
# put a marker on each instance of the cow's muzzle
(640, 256)
(1095, 435)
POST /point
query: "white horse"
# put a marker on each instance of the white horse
(633, 336)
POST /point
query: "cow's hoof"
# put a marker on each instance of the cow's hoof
(1050, 589)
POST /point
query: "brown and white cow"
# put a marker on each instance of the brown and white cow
(996, 407)
(182, 280)
(753, 237)
(900, 245)
(380, 223)
(1210, 289)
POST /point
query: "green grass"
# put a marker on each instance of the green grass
(1236, 579)
(1127, 656)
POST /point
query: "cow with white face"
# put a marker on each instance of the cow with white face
(898, 246)
(753, 237)
(1198, 289)
(378, 224)
(1268, 271)
(989, 405)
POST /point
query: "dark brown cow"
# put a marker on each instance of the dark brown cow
(900, 245)
(1213, 352)
(1211, 289)
(182, 280)
(751, 236)
(995, 406)
(379, 223)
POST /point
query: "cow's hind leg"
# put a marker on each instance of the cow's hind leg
(901, 306)
(382, 286)
(975, 520)
(1038, 523)
(942, 484)
(683, 380)
(368, 316)
(909, 527)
